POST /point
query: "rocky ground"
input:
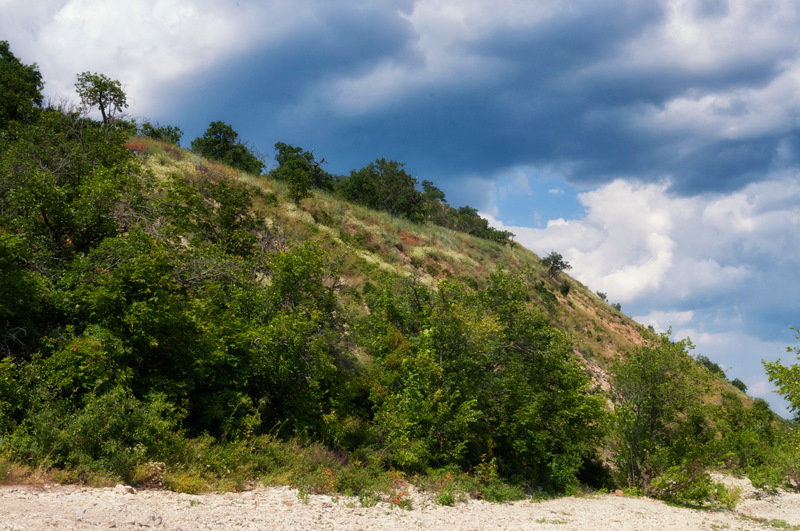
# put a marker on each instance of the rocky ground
(121, 507)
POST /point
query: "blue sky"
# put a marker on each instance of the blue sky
(655, 144)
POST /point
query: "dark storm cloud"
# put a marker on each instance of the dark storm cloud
(704, 93)
(563, 96)
(249, 89)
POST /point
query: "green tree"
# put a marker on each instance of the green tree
(291, 158)
(299, 169)
(787, 378)
(464, 375)
(97, 90)
(712, 367)
(657, 393)
(740, 385)
(68, 183)
(385, 185)
(555, 264)
(166, 133)
(466, 219)
(221, 143)
(20, 87)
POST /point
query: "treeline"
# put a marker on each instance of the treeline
(172, 320)
(381, 185)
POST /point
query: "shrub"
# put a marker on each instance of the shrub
(112, 433)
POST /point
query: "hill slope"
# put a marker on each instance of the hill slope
(367, 242)
(161, 307)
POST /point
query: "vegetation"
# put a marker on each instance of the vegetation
(221, 143)
(167, 320)
(97, 90)
(555, 264)
(20, 88)
(659, 434)
(166, 133)
(787, 378)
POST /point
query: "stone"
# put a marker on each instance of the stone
(124, 489)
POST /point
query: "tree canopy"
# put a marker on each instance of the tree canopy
(300, 170)
(555, 264)
(787, 377)
(20, 87)
(221, 143)
(97, 90)
(385, 185)
(166, 133)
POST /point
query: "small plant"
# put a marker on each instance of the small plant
(184, 482)
(446, 497)
(302, 494)
(400, 499)
(368, 499)
(564, 288)
(136, 147)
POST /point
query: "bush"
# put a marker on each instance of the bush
(112, 433)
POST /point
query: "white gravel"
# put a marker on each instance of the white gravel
(71, 507)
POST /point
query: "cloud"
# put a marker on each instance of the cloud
(662, 321)
(650, 249)
(704, 94)
(144, 44)
(718, 268)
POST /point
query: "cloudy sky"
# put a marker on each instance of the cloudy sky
(654, 143)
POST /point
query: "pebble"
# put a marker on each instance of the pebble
(279, 508)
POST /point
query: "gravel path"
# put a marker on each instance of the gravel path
(71, 507)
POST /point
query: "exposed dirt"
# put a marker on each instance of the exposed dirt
(71, 507)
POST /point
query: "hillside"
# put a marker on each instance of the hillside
(366, 242)
(171, 321)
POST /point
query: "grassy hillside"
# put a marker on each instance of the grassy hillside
(367, 244)
(176, 322)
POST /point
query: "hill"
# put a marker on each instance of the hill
(169, 320)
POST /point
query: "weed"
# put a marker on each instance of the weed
(302, 494)
(368, 499)
(184, 482)
(446, 497)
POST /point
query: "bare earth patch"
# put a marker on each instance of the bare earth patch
(72, 507)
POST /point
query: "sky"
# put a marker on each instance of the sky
(655, 144)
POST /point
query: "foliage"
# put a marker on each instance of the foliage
(465, 375)
(740, 385)
(166, 133)
(692, 484)
(555, 264)
(221, 143)
(565, 288)
(97, 90)
(787, 378)
(466, 219)
(712, 367)
(659, 419)
(301, 171)
(20, 88)
(385, 185)
(110, 433)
